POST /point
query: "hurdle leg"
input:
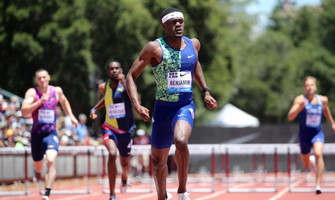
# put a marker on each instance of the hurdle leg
(26, 181)
(88, 189)
(211, 179)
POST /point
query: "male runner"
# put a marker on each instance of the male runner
(41, 102)
(174, 60)
(118, 125)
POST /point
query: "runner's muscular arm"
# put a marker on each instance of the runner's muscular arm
(198, 73)
(200, 79)
(98, 106)
(28, 104)
(101, 102)
(66, 105)
(327, 113)
(297, 107)
(149, 54)
(102, 88)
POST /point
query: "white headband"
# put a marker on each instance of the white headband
(175, 14)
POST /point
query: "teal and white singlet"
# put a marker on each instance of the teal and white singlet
(174, 74)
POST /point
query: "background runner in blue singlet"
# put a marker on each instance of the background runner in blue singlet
(310, 107)
(118, 125)
(174, 59)
(41, 102)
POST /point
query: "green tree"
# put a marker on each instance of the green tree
(282, 16)
(306, 25)
(311, 60)
(277, 62)
(327, 25)
(54, 35)
(121, 28)
(263, 73)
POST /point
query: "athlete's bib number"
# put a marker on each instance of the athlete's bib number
(179, 82)
(46, 116)
(313, 120)
(116, 110)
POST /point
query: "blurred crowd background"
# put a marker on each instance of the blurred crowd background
(15, 129)
(15, 132)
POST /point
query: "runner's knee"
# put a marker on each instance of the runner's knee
(158, 162)
(318, 156)
(50, 162)
(180, 144)
(112, 155)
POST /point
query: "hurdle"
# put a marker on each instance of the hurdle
(136, 150)
(253, 150)
(194, 149)
(84, 151)
(283, 178)
(26, 181)
(327, 180)
(328, 150)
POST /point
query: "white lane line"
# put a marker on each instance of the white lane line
(215, 194)
(145, 196)
(71, 197)
(93, 196)
(285, 190)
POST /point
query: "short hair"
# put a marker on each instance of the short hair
(169, 10)
(310, 77)
(82, 116)
(114, 61)
(41, 70)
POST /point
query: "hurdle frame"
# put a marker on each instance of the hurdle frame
(206, 149)
(327, 150)
(261, 151)
(136, 150)
(74, 153)
(26, 181)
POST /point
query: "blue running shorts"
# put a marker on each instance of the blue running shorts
(306, 141)
(122, 141)
(41, 142)
(165, 116)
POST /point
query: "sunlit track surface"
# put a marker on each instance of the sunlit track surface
(249, 171)
(220, 193)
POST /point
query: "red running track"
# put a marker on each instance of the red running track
(220, 193)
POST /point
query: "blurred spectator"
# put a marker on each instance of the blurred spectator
(66, 136)
(140, 163)
(64, 140)
(68, 123)
(14, 129)
(65, 130)
(141, 137)
(3, 104)
(82, 131)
